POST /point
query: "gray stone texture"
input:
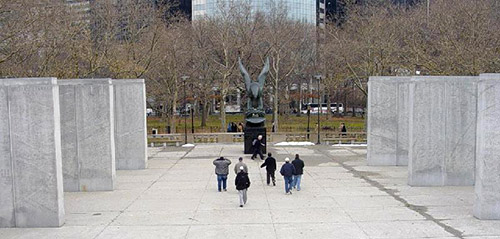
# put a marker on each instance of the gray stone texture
(388, 121)
(442, 131)
(31, 190)
(487, 188)
(130, 124)
(87, 126)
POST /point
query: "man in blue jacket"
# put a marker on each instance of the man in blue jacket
(288, 170)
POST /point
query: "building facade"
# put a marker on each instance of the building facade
(298, 10)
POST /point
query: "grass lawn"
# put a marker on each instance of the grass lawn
(290, 123)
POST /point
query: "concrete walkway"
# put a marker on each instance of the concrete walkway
(341, 197)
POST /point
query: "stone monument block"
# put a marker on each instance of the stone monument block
(87, 126)
(130, 124)
(487, 188)
(388, 120)
(31, 183)
(442, 131)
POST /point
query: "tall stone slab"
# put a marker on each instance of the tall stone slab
(130, 124)
(31, 184)
(442, 131)
(88, 146)
(487, 188)
(388, 120)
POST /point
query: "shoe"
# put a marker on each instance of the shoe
(219, 190)
(274, 184)
(290, 192)
(241, 205)
(268, 184)
(225, 190)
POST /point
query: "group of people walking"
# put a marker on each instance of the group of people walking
(291, 172)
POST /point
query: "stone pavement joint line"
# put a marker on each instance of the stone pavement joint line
(137, 198)
(418, 209)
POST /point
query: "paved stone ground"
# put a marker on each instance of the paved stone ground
(341, 198)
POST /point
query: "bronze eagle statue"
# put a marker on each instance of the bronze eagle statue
(255, 88)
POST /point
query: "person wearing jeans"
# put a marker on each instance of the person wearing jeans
(287, 170)
(299, 170)
(222, 170)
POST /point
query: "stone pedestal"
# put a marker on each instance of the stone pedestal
(88, 146)
(252, 133)
(388, 121)
(130, 124)
(31, 184)
(487, 188)
(442, 131)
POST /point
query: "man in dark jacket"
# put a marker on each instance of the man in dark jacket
(257, 147)
(287, 170)
(222, 170)
(299, 170)
(270, 165)
(242, 183)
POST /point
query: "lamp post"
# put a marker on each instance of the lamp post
(192, 119)
(320, 107)
(184, 78)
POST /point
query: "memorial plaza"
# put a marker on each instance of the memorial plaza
(341, 197)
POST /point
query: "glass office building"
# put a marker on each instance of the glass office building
(299, 10)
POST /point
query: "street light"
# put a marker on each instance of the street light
(320, 107)
(184, 78)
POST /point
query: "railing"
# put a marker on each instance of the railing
(207, 138)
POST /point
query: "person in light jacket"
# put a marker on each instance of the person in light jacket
(222, 170)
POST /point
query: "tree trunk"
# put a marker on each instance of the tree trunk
(173, 121)
(223, 110)
(328, 104)
(275, 104)
(204, 114)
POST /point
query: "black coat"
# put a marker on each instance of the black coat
(270, 164)
(257, 144)
(299, 166)
(242, 181)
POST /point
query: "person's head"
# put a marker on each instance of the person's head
(221, 158)
(342, 124)
(240, 159)
(287, 160)
(269, 154)
(296, 156)
(242, 169)
(259, 137)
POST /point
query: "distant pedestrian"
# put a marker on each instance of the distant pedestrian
(343, 129)
(270, 165)
(222, 170)
(229, 128)
(234, 128)
(287, 170)
(298, 164)
(242, 183)
(240, 127)
(257, 145)
(240, 164)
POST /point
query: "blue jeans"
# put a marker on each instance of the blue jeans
(288, 183)
(221, 181)
(296, 181)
